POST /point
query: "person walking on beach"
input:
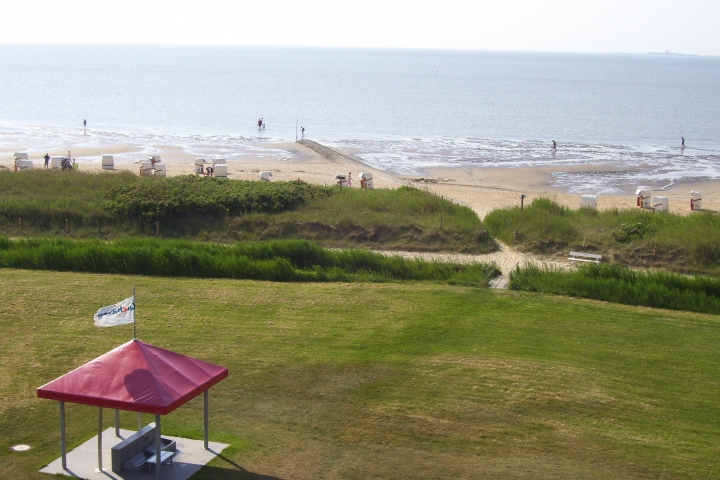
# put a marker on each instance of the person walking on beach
(84, 123)
(47, 160)
(554, 146)
(302, 131)
(349, 179)
(259, 123)
(682, 140)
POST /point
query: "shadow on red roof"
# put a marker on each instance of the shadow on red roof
(138, 377)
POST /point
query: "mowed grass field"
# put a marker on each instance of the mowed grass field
(393, 380)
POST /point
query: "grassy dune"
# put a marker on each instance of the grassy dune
(688, 244)
(382, 380)
(112, 205)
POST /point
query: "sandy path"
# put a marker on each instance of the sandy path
(506, 259)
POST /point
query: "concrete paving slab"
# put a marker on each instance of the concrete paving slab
(82, 461)
(500, 282)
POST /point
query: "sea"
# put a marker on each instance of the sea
(403, 111)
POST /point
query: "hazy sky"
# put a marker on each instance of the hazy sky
(688, 26)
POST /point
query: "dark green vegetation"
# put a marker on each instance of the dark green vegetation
(188, 196)
(376, 380)
(688, 244)
(618, 284)
(112, 205)
(404, 218)
(280, 260)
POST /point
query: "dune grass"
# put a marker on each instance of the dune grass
(389, 381)
(688, 244)
(613, 283)
(404, 218)
(113, 205)
(280, 260)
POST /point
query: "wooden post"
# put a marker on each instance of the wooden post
(583, 242)
(228, 230)
(67, 226)
(654, 252)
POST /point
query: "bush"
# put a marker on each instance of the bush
(192, 195)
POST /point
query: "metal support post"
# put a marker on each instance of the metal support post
(63, 445)
(139, 421)
(158, 442)
(100, 468)
(117, 423)
(207, 423)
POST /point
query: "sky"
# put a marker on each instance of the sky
(599, 26)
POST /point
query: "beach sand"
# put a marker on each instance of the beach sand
(482, 189)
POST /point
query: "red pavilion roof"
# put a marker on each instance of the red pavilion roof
(137, 377)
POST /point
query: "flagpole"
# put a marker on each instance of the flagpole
(134, 317)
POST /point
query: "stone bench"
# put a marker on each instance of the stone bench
(129, 449)
(584, 257)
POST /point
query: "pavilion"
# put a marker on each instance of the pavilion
(136, 377)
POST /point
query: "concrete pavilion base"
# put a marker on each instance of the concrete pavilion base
(82, 461)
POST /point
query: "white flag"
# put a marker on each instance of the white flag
(118, 314)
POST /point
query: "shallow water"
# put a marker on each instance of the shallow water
(399, 110)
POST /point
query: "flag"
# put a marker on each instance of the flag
(118, 314)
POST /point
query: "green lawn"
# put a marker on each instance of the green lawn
(394, 380)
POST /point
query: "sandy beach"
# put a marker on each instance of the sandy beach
(483, 189)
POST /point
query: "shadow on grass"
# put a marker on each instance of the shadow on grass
(232, 471)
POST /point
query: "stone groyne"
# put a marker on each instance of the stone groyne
(331, 155)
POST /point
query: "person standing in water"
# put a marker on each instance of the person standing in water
(682, 142)
(554, 145)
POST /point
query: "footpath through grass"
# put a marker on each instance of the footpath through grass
(613, 283)
(381, 380)
(112, 205)
(280, 260)
(688, 244)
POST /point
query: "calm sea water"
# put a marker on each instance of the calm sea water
(401, 110)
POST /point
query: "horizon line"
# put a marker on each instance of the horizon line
(338, 47)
